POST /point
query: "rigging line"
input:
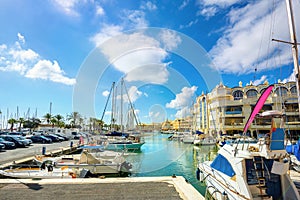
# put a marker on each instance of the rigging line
(135, 117)
(107, 100)
(259, 50)
(273, 16)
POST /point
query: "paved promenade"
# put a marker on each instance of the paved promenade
(150, 188)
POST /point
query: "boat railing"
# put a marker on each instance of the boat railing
(217, 175)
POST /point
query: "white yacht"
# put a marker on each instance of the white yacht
(245, 170)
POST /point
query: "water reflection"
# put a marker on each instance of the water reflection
(162, 157)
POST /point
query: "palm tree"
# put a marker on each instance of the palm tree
(58, 119)
(21, 121)
(73, 117)
(48, 117)
(53, 121)
(12, 122)
(32, 123)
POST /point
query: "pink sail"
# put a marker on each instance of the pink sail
(259, 104)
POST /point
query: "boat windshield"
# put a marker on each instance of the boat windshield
(221, 164)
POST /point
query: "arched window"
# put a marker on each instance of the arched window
(281, 91)
(293, 90)
(251, 93)
(237, 95)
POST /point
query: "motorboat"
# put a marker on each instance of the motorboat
(204, 140)
(188, 138)
(45, 171)
(95, 163)
(247, 170)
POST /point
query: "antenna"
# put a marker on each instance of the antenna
(50, 108)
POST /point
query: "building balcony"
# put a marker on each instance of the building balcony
(235, 112)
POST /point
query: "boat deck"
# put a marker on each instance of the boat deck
(95, 188)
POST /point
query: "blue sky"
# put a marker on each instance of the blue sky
(69, 52)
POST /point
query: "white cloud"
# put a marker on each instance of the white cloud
(47, 70)
(99, 10)
(105, 93)
(152, 73)
(184, 4)
(182, 101)
(246, 42)
(130, 51)
(14, 67)
(138, 51)
(183, 112)
(28, 63)
(148, 6)
(291, 78)
(107, 32)
(67, 6)
(220, 3)
(21, 38)
(135, 19)
(133, 93)
(191, 23)
(3, 47)
(208, 11)
(23, 55)
(209, 8)
(170, 39)
(260, 81)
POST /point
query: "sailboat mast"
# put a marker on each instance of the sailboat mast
(294, 46)
(122, 85)
(112, 121)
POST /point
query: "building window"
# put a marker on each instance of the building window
(281, 91)
(294, 90)
(237, 95)
(251, 93)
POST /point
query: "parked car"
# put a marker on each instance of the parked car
(40, 139)
(1, 147)
(7, 144)
(62, 136)
(27, 141)
(3, 133)
(17, 133)
(75, 135)
(54, 138)
(15, 139)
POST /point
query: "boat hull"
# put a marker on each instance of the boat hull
(131, 146)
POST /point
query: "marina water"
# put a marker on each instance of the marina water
(160, 156)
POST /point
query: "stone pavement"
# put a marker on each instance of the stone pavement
(150, 188)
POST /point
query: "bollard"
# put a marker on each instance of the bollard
(44, 151)
(71, 144)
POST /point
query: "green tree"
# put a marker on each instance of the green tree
(73, 118)
(59, 121)
(12, 122)
(21, 121)
(32, 123)
(53, 121)
(48, 117)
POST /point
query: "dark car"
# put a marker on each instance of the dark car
(15, 139)
(7, 144)
(17, 133)
(3, 133)
(40, 139)
(62, 136)
(1, 147)
(54, 138)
